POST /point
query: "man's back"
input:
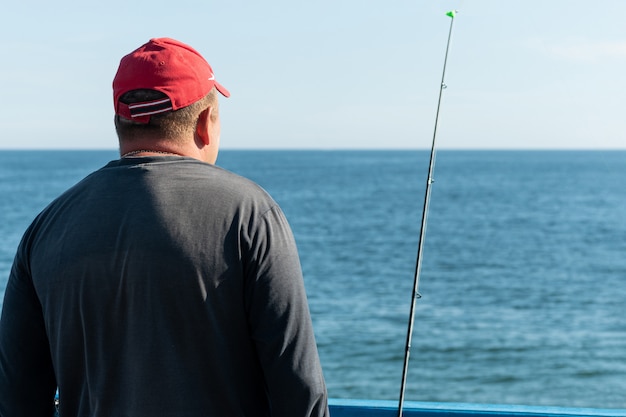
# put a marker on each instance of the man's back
(167, 287)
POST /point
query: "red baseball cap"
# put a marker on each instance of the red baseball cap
(164, 65)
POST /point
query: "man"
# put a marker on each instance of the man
(160, 285)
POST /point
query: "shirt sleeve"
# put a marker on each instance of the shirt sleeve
(280, 321)
(27, 381)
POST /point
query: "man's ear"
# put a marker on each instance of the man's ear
(203, 127)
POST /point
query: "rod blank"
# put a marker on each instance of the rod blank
(418, 263)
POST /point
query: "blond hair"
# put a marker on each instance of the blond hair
(173, 126)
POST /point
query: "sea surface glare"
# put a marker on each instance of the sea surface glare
(523, 276)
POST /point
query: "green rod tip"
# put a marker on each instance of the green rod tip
(451, 13)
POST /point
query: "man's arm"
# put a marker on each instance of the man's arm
(281, 323)
(27, 382)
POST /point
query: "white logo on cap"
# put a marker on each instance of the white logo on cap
(212, 77)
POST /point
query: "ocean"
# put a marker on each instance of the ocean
(523, 278)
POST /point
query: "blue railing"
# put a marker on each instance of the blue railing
(377, 408)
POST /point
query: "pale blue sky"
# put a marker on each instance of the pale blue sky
(332, 73)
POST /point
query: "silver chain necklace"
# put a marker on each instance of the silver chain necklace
(132, 153)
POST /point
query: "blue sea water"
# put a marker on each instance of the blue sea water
(523, 276)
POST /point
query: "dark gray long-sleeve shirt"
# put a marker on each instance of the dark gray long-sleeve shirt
(159, 286)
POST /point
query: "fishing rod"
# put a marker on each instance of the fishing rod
(418, 262)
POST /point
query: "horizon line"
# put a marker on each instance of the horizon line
(339, 149)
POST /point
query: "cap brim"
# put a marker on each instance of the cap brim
(223, 91)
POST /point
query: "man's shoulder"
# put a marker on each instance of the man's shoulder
(216, 175)
(213, 179)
